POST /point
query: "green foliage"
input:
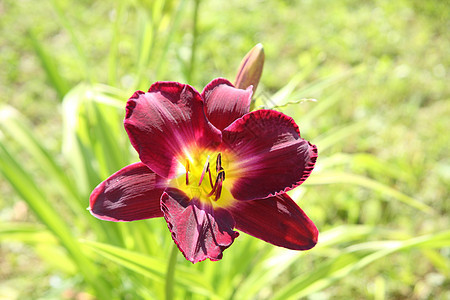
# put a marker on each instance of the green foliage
(379, 193)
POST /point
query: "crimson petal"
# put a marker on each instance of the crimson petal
(166, 121)
(199, 231)
(271, 158)
(277, 220)
(224, 103)
(132, 193)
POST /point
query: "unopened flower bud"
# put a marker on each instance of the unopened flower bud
(251, 68)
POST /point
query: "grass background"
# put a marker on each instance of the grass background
(379, 194)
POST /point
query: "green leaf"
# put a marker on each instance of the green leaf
(353, 260)
(153, 268)
(48, 64)
(65, 22)
(19, 130)
(347, 178)
(29, 233)
(266, 272)
(339, 134)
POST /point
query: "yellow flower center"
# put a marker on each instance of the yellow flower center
(202, 175)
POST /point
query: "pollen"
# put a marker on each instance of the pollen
(204, 177)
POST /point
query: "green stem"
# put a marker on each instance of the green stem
(194, 42)
(170, 274)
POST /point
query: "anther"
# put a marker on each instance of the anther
(218, 162)
(221, 173)
(217, 188)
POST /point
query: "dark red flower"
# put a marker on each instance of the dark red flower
(208, 165)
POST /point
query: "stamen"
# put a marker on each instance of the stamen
(219, 162)
(210, 178)
(187, 172)
(222, 173)
(216, 184)
(217, 188)
(213, 189)
(205, 169)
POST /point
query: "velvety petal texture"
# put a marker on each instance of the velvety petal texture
(271, 157)
(187, 142)
(224, 103)
(200, 231)
(132, 193)
(277, 220)
(164, 122)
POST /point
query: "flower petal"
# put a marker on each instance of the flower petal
(164, 122)
(277, 220)
(200, 231)
(271, 156)
(132, 193)
(224, 103)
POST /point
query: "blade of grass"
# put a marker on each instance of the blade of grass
(351, 261)
(191, 69)
(42, 241)
(280, 98)
(365, 162)
(48, 64)
(75, 41)
(264, 274)
(175, 22)
(30, 233)
(17, 127)
(114, 45)
(145, 47)
(438, 260)
(83, 136)
(331, 138)
(24, 185)
(319, 85)
(152, 267)
(105, 139)
(347, 178)
(290, 95)
(170, 273)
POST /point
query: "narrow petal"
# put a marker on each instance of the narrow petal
(277, 220)
(271, 158)
(200, 231)
(166, 121)
(132, 193)
(224, 103)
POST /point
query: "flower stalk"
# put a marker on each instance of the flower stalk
(170, 273)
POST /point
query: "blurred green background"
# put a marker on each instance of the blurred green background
(379, 194)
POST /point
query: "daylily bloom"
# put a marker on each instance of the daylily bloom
(208, 165)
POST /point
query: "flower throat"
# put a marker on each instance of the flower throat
(215, 186)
